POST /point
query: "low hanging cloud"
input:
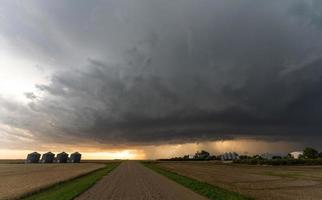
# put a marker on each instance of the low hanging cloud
(170, 72)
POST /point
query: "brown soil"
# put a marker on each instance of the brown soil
(19, 179)
(260, 182)
(132, 181)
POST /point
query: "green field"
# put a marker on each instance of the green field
(205, 189)
(72, 188)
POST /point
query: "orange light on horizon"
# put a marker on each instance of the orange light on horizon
(123, 154)
(242, 146)
(105, 155)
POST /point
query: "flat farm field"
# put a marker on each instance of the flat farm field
(17, 180)
(259, 182)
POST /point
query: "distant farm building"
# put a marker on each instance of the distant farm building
(33, 157)
(62, 157)
(296, 154)
(47, 157)
(229, 156)
(75, 157)
(267, 156)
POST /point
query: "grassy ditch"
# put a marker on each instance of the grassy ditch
(202, 188)
(72, 188)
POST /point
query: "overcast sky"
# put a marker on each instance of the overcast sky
(136, 73)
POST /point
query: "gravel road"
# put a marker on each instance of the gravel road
(133, 181)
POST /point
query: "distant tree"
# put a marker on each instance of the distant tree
(320, 155)
(213, 157)
(201, 155)
(244, 157)
(289, 156)
(310, 153)
(258, 157)
(186, 157)
(277, 157)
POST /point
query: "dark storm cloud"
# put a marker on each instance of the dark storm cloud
(142, 71)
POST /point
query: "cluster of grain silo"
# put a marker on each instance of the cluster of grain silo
(229, 156)
(33, 157)
(75, 157)
(62, 157)
(49, 157)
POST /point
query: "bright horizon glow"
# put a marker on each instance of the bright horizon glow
(122, 154)
(241, 146)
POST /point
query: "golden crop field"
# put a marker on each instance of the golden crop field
(17, 180)
(260, 182)
(17, 161)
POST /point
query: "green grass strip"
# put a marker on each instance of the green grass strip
(202, 188)
(70, 189)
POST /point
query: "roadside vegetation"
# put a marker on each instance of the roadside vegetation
(202, 188)
(70, 189)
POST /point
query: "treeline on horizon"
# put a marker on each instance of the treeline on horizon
(310, 156)
(199, 155)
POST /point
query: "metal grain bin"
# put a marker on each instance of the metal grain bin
(33, 157)
(47, 157)
(62, 157)
(75, 157)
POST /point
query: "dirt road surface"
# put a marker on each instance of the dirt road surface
(133, 181)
